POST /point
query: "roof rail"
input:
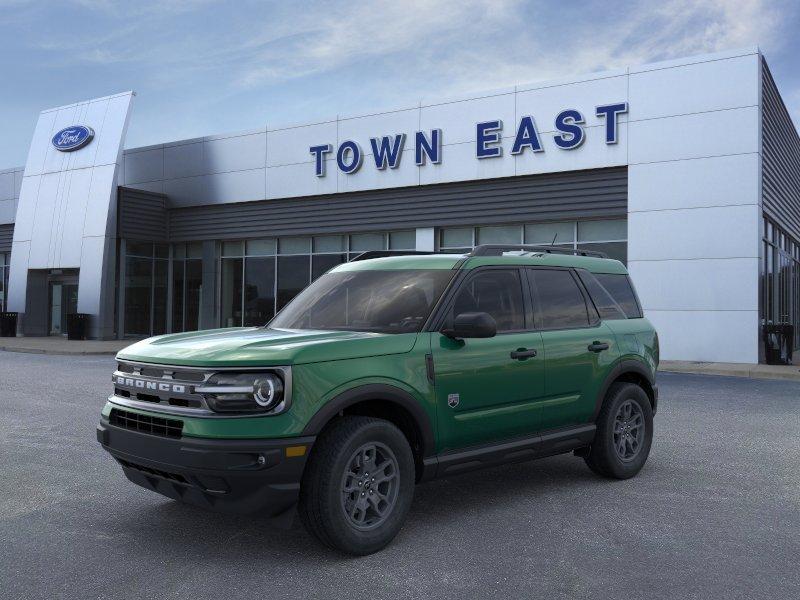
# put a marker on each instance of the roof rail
(384, 253)
(499, 249)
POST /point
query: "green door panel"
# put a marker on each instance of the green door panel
(496, 395)
(575, 374)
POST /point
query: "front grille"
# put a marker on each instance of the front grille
(164, 386)
(150, 471)
(171, 428)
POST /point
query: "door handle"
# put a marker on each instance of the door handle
(522, 354)
(597, 347)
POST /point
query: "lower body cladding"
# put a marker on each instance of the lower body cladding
(548, 443)
(226, 475)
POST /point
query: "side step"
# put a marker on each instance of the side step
(539, 446)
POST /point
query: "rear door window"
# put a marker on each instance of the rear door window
(620, 287)
(560, 302)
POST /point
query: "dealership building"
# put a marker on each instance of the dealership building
(687, 170)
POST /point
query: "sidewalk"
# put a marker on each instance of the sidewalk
(791, 372)
(60, 345)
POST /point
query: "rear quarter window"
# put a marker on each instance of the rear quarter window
(606, 305)
(621, 290)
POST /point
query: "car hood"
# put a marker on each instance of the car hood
(259, 346)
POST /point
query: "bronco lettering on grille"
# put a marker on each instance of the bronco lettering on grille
(143, 384)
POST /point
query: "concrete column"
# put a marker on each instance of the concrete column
(426, 239)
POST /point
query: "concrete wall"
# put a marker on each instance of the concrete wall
(693, 203)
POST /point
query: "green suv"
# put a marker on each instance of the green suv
(388, 371)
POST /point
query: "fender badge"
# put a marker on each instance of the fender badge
(453, 400)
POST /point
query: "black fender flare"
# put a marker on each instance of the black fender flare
(621, 368)
(375, 391)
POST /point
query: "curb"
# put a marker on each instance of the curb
(743, 373)
(59, 352)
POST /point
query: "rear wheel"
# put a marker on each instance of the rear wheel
(624, 433)
(358, 485)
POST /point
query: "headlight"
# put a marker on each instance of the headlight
(243, 392)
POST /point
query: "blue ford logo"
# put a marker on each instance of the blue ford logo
(72, 138)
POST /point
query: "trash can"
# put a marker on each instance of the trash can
(778, 343)
(8, 324)
(77, 324)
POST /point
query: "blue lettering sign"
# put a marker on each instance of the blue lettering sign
(610, 112)
(432, 149)
(387, 152)
(349, 157)
(569, 122)
(527, 137)
(319, 153)
(488, 133)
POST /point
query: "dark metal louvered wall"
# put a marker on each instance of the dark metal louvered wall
(780, 159)
(598, 193)
(6, 237)
(142, 215)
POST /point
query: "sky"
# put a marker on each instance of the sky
(203, 67)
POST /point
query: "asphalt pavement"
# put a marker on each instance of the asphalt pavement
(714, 514)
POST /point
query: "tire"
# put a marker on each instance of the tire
(339, 504)
(622, 457)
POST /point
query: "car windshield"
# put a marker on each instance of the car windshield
(391, 301)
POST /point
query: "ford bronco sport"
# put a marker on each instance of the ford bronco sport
(389, 371)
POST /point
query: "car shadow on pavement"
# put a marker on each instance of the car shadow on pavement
(440, 505)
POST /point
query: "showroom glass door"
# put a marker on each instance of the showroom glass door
(63, 298)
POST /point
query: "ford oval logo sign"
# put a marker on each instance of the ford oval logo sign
(72, 138)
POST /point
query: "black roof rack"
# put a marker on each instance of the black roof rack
(499, 249)
(384, 253)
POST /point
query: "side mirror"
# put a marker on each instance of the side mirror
(472, 325)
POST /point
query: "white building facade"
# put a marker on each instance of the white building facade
(688, 171)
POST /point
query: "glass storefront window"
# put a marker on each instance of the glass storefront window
(550, 233)
(403, 240)
(5, 260)
(602, 231)
(364, 242)
(259, 291)
(138, 295)
(608, 236)
(178, 290)
(232, 248)
(780, 282)
(146, 288)
(321, 263)
(187, 282)
(260, 247)
(299, 245)
(231, 287)
(160, 285)
(294, 273)
(457, 237)
(255, 282)
(330, 243)
(506, 234)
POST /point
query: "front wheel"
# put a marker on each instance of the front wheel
(624, 433)
(358, 485)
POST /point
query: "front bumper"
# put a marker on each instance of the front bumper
(226, 475)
